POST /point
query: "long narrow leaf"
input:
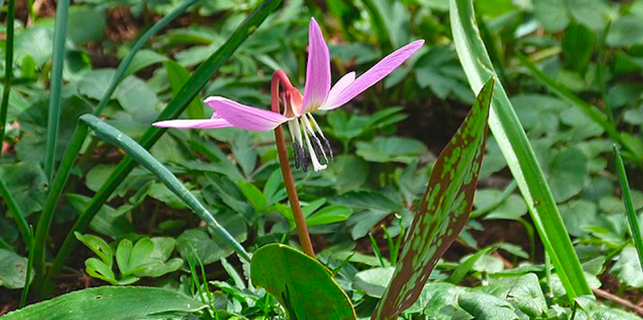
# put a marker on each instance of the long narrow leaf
(516, 149)
(54, 110)
(443, 211)
(8, 67)
(593, 112)
(629, 206)
(116, 138)
(76, 142)
(180, 102)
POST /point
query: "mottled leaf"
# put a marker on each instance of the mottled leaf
(443, 211)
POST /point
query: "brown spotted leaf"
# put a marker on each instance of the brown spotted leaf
(443, 211)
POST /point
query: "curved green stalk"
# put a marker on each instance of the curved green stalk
(135, 151)
(8, 67)
(54, 110)
(178, 104)
(76, 142)
(516, 149)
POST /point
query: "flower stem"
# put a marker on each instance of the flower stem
(298, 216)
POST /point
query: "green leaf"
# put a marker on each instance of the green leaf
(100, 270)
(13, 270)
(578, 216)
(466, 264)
(123, 253)
(515, 147)
(107, 221)
(212, 249)
(568, 174)
(484, 306)
(254, 195)
(280, 269)
(27, 184)
(348, 172)
(552, 14)
(98, 246)
(177, 76)
(444, 209)
(528, 295)
(116, 303)
(328, 215)
(628, 268)
(390, 149)
(578, 45)
(86, 23)
(512, 209)
(625, 31)
(33, 122)
(373, 281)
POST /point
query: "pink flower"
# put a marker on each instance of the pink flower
(318, 94)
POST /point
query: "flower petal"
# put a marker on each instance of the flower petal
(375, 74)
(193, 124)
(317, 70)
(245, 117)
(339, 86)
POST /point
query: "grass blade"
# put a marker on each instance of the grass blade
(54, 110)
(180, 102)
(593, 112)
(8, 67)
(443, 211)
(629, 206)
(76, 142)
(116, 138)
(516, 149)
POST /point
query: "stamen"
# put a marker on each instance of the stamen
(323, 138)
(295, 151)
(319, 149)
(313, 157)
(330, 150)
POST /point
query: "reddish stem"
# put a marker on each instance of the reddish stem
(298, 216)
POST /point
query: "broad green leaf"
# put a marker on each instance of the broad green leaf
(484, 306)
(115, 303)
(33, 122)
(13, 270)
(211, 249)
(626, 31)
(528, 295)
(280, 269)
(515, 146)
(373, 281)
(444, 209)
(27, 184)
(628, 268)
(177, 76)
(391, 149)
(568, 174)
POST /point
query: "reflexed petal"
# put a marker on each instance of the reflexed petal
(317, 70)
(375, 74)
(245, 117)
(193, 124)
(339, 86)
